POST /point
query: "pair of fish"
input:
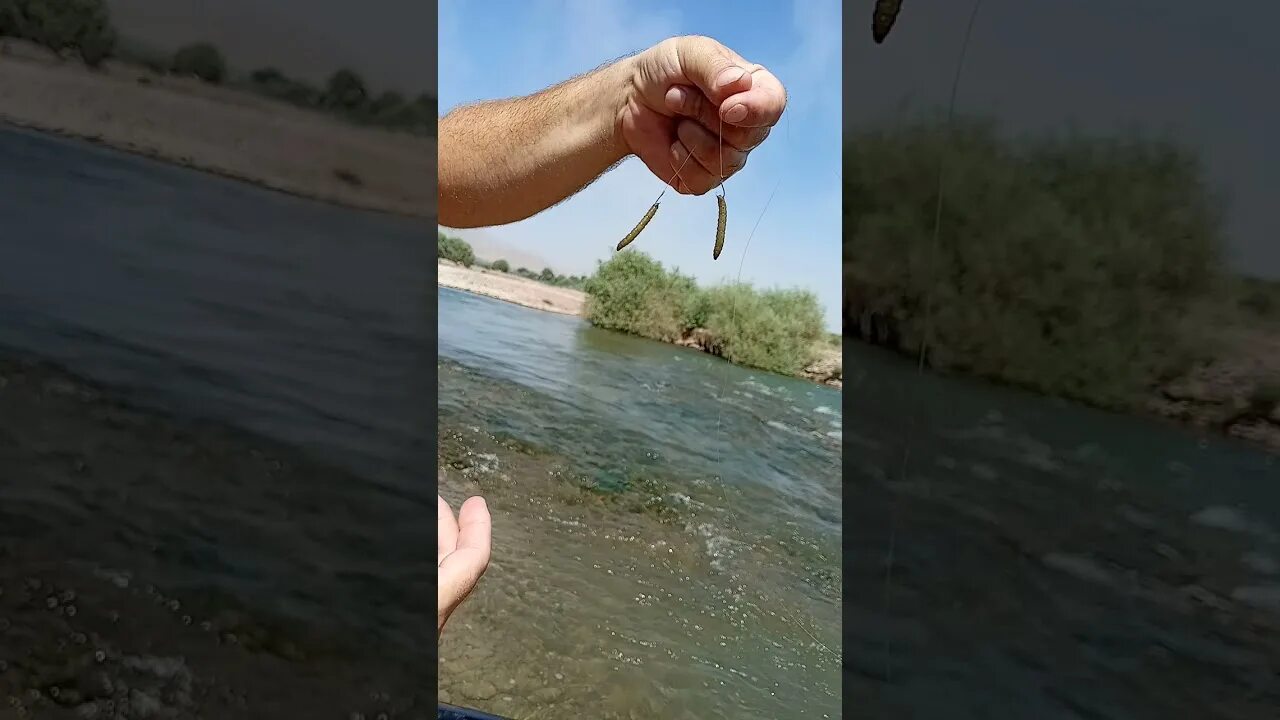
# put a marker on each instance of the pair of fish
(720, 226)
(882, 20)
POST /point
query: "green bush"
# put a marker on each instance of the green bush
(1073, 266)
(346, 91)
(455, 249)
(773, 330)
(60, 25)
(201, 60)
(500, 265)
(633, 293)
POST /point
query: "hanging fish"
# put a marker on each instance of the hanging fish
(886, 13)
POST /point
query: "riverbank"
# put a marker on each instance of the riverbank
(511, 288)
(219, 130)
(825, 369)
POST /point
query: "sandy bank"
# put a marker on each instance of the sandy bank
(512, 289)
(219, 130)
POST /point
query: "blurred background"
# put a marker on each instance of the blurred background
(215, 350)
(1062, 339)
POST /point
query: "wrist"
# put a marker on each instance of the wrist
(619, 91)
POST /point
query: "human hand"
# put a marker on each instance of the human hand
(681, 89)
(462, 553)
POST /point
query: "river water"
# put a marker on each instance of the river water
(271, 470)
(1013, 556)
(667, 525)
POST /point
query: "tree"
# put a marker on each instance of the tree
(547, 275)
(455, 249)
(201, 60)
(346, 90)
(501, 266)
(60, 25)
(267, 76)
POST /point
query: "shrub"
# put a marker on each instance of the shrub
(500, 265)
(633, 293)
(1072, 266)
(773, 330)
(201, 60)
(455, 249)
(60, 25)
(346, 90)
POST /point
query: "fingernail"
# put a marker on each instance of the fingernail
(729, 76)
(678, 97)
(677, 151)
(737, 113)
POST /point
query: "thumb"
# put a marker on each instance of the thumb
(713, 68)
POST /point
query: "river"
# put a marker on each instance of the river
(245, 496)
(236, 432)
(1016, 556)
(667, 525)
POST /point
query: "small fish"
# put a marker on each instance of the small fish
(639, 226)
(886, 13)
(722, 218)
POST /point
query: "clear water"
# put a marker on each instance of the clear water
(700, 579)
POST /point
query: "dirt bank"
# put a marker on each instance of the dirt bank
(220, 130)
(511, 288)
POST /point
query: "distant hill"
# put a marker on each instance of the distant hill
(487, 247)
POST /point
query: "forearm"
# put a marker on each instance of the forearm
(507, 160)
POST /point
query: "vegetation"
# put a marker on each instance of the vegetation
(84, 27)
(79, 26)
(346, 95)
(500, 265)
(200, 60)
(454, 249)
(773, 330)
(1078, 267)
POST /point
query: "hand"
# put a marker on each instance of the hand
(682, 88)
(462, 553)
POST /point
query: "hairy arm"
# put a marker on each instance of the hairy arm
(507, 160)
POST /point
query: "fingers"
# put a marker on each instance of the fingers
(694, 178)
(460, 569)
(691, 103)
(475, 527)
(446, 530)
(759, 106)
(715, 69)
(719, 160)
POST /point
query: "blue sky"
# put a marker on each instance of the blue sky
(503, 49)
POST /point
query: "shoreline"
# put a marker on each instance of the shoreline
(567, 301)
(219, 130)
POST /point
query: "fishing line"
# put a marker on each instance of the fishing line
(928, 327)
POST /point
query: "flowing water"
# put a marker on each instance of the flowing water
(667, 525)
(270, 475)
